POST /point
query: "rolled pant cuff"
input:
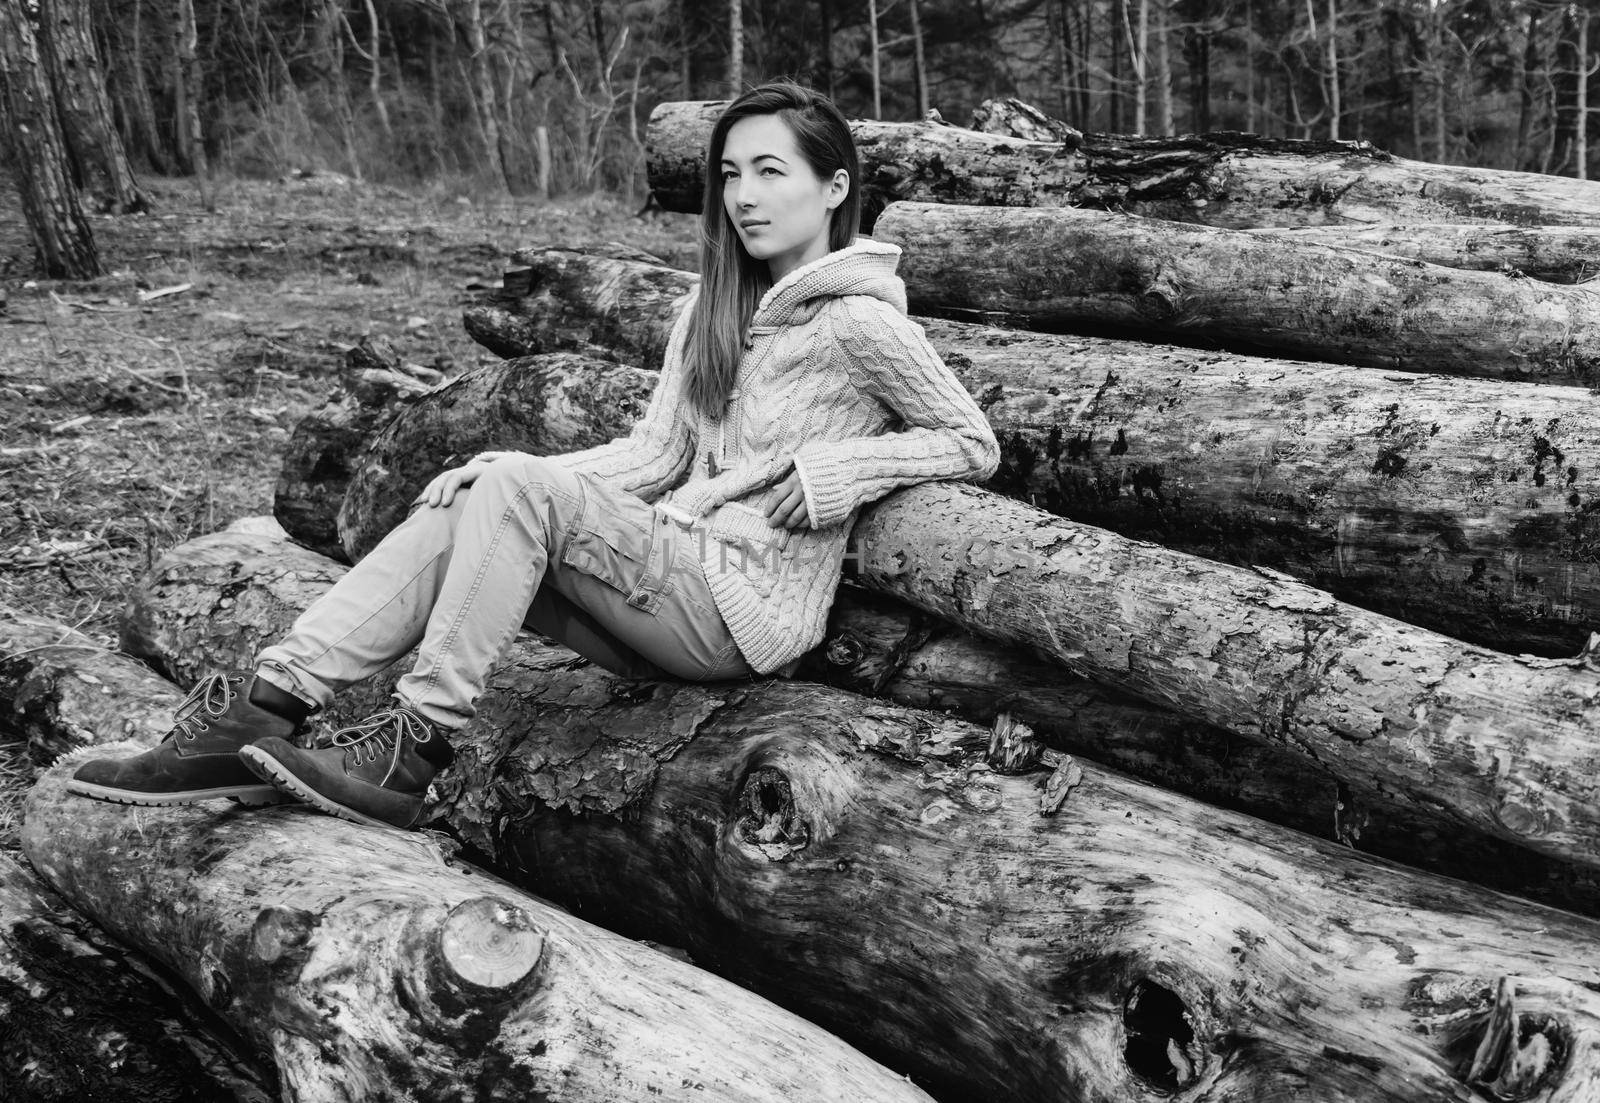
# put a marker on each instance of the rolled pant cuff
(296, 682)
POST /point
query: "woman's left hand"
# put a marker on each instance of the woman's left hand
(789, 511)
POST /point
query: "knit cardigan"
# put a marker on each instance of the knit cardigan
(837, 379)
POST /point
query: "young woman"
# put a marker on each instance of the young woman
(705, 545)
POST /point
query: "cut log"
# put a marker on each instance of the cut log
(1091, 271)
(1468, 506)
(1230, 180)
(371, 967)
(82, 1017)
(317, 459)
(1558, 254)
(60, 690)
(550, 404)
(880, 647)
(862, 863)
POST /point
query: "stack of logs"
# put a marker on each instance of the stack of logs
(1019, 828)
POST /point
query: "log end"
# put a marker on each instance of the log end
(486, 944)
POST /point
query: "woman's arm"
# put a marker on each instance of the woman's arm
(946, 435)
(660, 448)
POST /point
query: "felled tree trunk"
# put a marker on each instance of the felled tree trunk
(1230, 180)
(1466, 506)
(371, 967)
(550, 404)
(1559, 254)
(1071, 271)
(883, 648)
(864, 864)
(880, 646)
(82, 1017)
(60, 690)
(327, 442)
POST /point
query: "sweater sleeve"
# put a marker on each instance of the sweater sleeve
(946, 435)
(660, 447)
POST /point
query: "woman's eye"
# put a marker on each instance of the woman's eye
(770, 169)
(728, 174)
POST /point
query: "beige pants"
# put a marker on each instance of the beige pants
(529, 544)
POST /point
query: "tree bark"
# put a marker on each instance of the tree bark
(59, 690)
(31, 139)
(84, 109)
(882, 648)
(1462, 505)
(86, 1018)
(545, 404)
(370, 966)
(1557, 254)
(1093, 271)
(1159, 945)
(326, 444)
(1232, 181)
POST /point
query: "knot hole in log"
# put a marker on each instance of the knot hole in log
(1520, 1053)
(767, 818)
(1161, 1051)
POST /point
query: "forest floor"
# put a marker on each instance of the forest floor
(131, 421)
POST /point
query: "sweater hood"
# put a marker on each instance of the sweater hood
(864, 267)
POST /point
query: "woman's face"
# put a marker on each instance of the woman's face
(779, 207)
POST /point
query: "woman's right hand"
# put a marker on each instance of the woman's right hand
(441, 491)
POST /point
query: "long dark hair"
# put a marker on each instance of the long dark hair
(731, 280)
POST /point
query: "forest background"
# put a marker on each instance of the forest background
(552, 96)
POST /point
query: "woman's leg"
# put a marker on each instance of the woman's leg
(613, 564)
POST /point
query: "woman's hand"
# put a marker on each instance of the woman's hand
(441, 491)
(789, 511)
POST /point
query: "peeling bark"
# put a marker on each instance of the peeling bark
(1466, 506)
(370, 967)
(1090, 271)
(1229, 180)
(999, 952)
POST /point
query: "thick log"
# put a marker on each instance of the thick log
(1558, 254)
(369, 966)
(880, 647)
(180, 620)
(864, 864)
(1466, 506)
(1230, 180)
(60, 690)
(554, 403)
(326, 442)
(82, 1017)
(1092, 271)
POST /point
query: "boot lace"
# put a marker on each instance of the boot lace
(379, 734)
(210, 697)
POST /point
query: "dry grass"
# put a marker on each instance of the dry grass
(129, 426)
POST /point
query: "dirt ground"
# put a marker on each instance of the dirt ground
(132, 420)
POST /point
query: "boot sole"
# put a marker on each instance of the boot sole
(270, 769)
(249, 795)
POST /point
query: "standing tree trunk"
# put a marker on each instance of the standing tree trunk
(31, 138)
(84, 109)
(1163, 67)
(877, 80)
(469, 19)
(735, 47)
(919, 59)
(1331, 80)
(1580, 124)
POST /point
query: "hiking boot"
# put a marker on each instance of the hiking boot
(375, 772)
(199, 758)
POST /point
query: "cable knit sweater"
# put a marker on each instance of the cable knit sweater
(835, 377)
